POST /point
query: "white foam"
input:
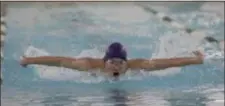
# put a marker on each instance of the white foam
(217, 99)
(214, 94)
(149, 98)
(214, 55)
(16, 97)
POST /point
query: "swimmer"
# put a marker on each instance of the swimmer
(114, 63)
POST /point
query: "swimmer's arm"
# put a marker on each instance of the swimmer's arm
(81, 64)
(157, 64)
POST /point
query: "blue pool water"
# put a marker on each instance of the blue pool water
(85, 29)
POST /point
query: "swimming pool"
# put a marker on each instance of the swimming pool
(85, 29)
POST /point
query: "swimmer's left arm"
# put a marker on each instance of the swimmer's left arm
(82, 64)
(157, 64)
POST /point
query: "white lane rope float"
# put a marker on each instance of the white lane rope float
(3, 33)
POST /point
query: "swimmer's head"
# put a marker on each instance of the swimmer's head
(115, 50)
(115, 59)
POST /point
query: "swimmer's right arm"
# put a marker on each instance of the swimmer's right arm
(158, 64)
(81, 64)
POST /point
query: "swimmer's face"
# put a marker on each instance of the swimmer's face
(115, 66)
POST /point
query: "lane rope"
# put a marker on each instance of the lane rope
(173, 23)
(3, 32)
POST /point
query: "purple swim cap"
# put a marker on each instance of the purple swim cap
(115, 50)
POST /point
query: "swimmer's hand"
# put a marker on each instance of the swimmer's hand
(199, 55)
(23, 61)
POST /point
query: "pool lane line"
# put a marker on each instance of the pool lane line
(173, 23)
